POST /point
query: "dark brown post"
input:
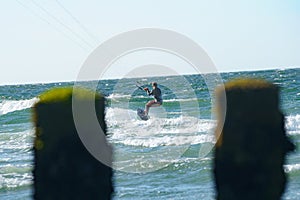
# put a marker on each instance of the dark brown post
(63, 168)
(250, 151)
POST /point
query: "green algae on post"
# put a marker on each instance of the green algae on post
(66, 94)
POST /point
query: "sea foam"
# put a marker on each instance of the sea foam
(8, 106)
(292, 124)
(125, 128)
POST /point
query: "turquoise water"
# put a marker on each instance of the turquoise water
(166, 157)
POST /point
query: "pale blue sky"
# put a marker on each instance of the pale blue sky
(41, 42)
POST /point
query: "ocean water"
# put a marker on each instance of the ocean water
(166, 157)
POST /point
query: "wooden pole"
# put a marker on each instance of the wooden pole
(63, 168)
(251, 149)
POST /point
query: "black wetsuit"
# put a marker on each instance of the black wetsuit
(157, 95)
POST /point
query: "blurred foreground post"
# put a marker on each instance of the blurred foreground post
(63, 168)
(251, 149)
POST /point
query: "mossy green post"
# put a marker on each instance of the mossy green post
(63, 168)
(250, 151)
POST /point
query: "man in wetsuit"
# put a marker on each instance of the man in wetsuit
(157, 101)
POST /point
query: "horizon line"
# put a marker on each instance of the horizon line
(117, 78)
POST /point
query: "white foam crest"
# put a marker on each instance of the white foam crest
(125, 127)
(16, 141)
(8, 106)
(292, 124)
(118, 96)
(291, 168)
(180, 100)
(118, 116)
(167, 140)
(13, 180)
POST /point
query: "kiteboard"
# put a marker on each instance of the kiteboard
(141, 114)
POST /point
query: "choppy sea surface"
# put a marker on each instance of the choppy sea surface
(166, 157)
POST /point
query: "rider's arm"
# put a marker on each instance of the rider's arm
(148, 91)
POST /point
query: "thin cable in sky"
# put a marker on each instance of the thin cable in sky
(78, 22)
(64, 25)
(47, 22)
